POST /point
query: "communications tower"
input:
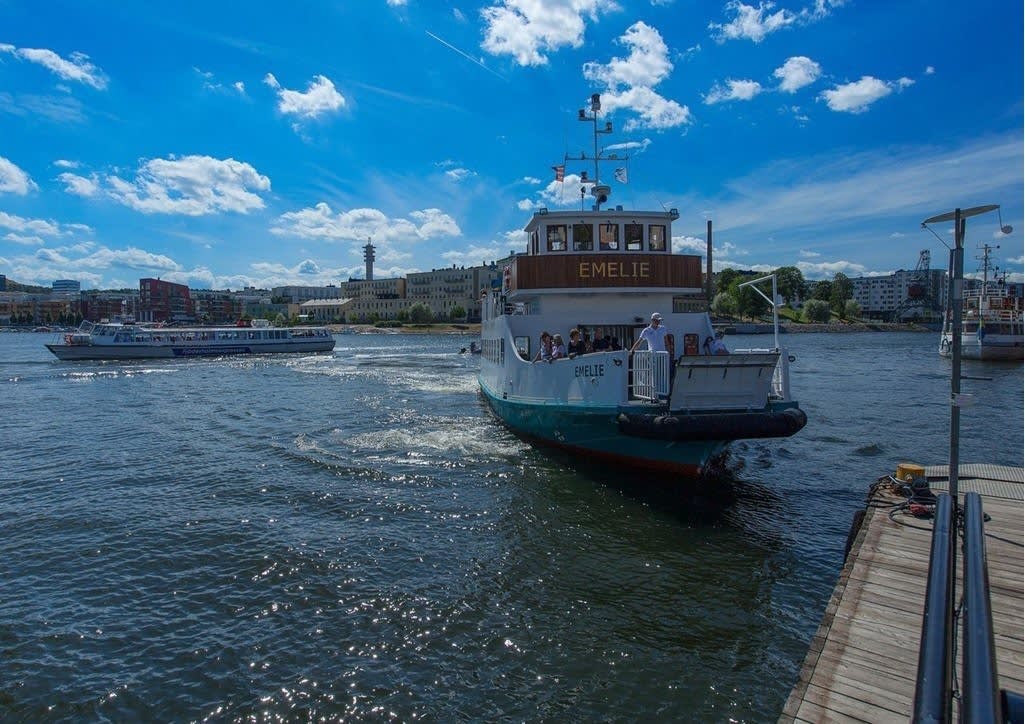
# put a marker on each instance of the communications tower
(368, 257)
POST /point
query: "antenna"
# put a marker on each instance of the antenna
(599, 190)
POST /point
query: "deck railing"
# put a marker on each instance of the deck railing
(650, 375)
(981, 699)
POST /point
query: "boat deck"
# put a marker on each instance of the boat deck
(863, 659)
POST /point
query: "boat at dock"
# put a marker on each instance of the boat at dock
(126, 341)
(991, 318)
(605, 273)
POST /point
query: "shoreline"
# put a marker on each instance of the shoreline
(463, 330)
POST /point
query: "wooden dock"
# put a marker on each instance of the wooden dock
(863, 659)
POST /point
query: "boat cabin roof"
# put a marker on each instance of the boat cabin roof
(610, 231)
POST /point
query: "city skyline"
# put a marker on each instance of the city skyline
(223, 151)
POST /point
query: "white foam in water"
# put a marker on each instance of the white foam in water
(456, 437)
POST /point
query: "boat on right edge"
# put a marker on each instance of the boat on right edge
(991, 318)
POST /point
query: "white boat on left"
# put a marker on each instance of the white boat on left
(121, 341)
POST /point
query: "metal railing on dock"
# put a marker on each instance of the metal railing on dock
(981, 699)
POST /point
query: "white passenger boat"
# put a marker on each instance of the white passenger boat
(991, 319)
(120, 341)
(604, 272)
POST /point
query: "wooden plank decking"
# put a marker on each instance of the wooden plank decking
(863, 659)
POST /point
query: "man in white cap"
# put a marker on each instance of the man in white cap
(655, 335)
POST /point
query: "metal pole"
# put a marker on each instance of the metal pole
(709, 284)
(957, 286)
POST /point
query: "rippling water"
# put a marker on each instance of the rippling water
(354, 536)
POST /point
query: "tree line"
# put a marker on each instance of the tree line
(819, 301)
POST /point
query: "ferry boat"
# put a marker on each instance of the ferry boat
(991, 319)
(126, 341)
(606, 272)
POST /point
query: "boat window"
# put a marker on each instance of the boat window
(556, 237)
(634, 236)
(583, 237)
(608, 237)
(657, 237)
(522, 346)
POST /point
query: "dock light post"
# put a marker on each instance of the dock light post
(955, 300)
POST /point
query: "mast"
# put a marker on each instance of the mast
(599, 190)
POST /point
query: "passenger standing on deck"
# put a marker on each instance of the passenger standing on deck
(544, 352)
(654, 334)
(576, 345)
(558, 347)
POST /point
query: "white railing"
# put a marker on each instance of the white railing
(650, 375)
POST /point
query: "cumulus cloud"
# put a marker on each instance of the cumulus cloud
(751, 23)
(319, 98)
(191, 185)
(755, 23)
(629, 82)
(528, 30)
(734, 90)
(39, 227)
(76, 67)
(797, 72)
(321, 222)
(80, 185)
(13, 180)
(856, 97)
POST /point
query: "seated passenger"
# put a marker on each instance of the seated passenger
(602, 342)
(558, 348)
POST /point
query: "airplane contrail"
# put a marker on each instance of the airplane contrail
(465, 55)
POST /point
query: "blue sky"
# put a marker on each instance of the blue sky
(222, 145)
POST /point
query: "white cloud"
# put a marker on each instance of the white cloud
(751, 23)
(857, 96)
(528, 30)
(734, 90)
(807, 254)
(24, 240)
(929, 70)
(320, 97)
(37, 227)
(460, 174)
(320, 222)
(629, 81)
(64, 163)
(76, 68)
(239, 86)
(80, 185)
(191, 185)
(797, 72)
(827, 269)
(13, 180)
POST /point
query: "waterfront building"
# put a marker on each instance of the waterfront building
(326, 311)
(384, 298)
(902, 296)
(67, 287)
(298, 295)
(161, 301)
(216, 307)
(96, 306)
(444, 289)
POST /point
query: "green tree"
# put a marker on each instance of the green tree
(457, 313)
(749, 303)
(724, 305)
(841, 291)
(822, 290)
(851, 310)
(403, 315)
(790, 283)
(420, 313)
(374, 317)
(727, 280)
(816, 310)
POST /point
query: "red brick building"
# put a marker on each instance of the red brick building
(161, 301)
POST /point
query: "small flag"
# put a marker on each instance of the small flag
(621, 175)
(560, 172)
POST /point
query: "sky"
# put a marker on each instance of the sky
(223, 146)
